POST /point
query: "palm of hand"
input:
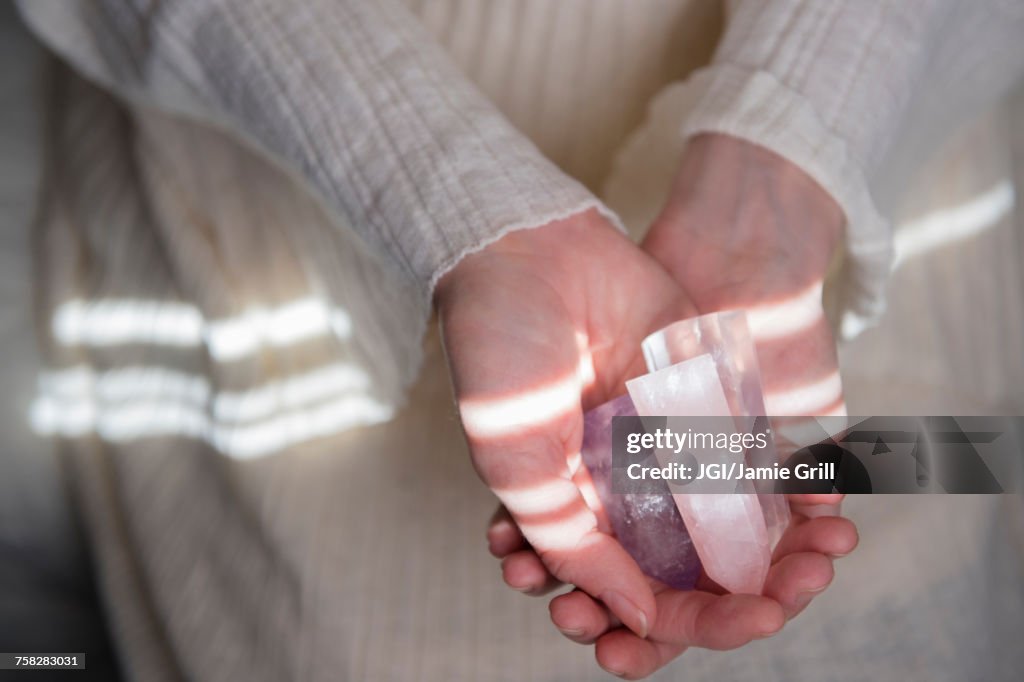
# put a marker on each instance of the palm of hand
(744, 228)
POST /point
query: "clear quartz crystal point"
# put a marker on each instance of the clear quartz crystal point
(648, 526)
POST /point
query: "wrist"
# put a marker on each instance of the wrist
(742, 214)
(551, 248)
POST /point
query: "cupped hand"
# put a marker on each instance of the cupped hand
(537, 327)
(705, 617)
(745, 228)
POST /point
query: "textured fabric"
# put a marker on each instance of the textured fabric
(574, 75)
(352, 98)
(856, 95)
(215, 279)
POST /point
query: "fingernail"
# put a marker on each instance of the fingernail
(802, 599)
(630, 614)
(609, 670)
(572, 632)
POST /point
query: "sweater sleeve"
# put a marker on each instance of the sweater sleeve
(351, 96)
(843, 89)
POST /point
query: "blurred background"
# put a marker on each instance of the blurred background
(48, 598)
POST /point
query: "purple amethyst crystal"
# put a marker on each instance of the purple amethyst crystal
(648, 526)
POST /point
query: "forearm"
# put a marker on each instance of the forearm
(744, 225)
(831, 86)
(352, 97)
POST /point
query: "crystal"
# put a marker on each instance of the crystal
(648, 526)
(726, 336)
(728, 530)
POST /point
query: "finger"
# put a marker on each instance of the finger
(800, 374)
(713, 621)
(831, 535)
(816, 511)
(585, 484)
(524, 572)
(801, 377)
(815, 498)
(580, 618)
(503, 536)
(799, 371)
(625, 655)
(796, 579)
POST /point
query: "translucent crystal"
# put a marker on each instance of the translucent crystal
(727, 529)
(648, 526)
(726, 337)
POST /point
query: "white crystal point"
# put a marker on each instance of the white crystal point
(684, 389)
(728, 530)
(729, 534)
(726, 337)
